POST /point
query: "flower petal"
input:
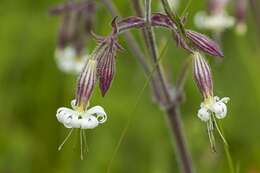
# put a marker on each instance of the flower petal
(204, 114)
(220, 109)
(100, 113)
(89, 122)
(63, 113)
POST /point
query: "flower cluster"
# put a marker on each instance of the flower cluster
(99, 66)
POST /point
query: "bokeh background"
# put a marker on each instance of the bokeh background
(32, 88)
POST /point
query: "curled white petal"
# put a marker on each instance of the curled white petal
(99, 112)
(204, 114)
(89, 122)
(73, 104)
(225, 99)
(220, 109)
(63, 113)
(68, 117)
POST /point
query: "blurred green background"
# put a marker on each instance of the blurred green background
(32, 88)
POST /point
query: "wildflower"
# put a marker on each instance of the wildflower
(78, 118)
(203, 78)
(82, 119)
(68, 61)
(212, 106)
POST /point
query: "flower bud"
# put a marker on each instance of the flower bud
(202, 75)
(106, 70)
(106, 59)
(86, 83)
(204, 43)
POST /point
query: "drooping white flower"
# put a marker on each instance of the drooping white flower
(216, 22)
(214, 106)
(68, 61)
(88, 119)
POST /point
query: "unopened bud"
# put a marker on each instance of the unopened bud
(204, 43)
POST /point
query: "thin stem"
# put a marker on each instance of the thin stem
(173, 114)
(139, 12)
(161, 87)
(149, 36)
(226, 147)
(175, 123)
(174, 17)
(129, 38)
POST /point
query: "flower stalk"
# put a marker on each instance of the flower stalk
(171, 107)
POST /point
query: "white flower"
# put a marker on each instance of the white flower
(68, 60)
(89, 119)
(213, 106)
(217, 22)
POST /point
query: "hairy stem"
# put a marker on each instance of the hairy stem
(160, 85)
(151, 45)
(171, 105)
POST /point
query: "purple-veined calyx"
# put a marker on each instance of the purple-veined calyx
(204, 43)
(202, 75)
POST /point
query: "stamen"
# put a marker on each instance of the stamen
(81, 143)
(85, 142)
(210, 128)
(64, 141)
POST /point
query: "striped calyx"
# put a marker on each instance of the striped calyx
(86, 83)
(202, 75)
